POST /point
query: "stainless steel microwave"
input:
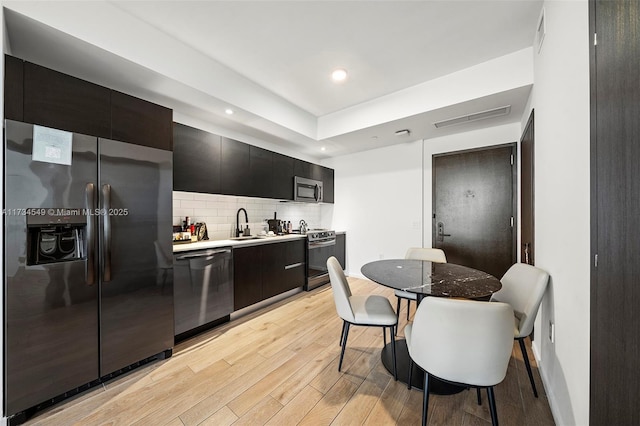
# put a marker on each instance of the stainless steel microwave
(307, 190)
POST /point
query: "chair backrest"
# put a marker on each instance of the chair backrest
(523, 287)
(164, 260)
(341, 290)
(432, 254)
(463, 341)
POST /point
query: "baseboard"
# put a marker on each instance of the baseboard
(553, 405)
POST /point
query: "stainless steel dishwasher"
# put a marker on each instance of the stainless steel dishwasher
(203, 289)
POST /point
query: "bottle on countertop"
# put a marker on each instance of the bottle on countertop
(289, 227)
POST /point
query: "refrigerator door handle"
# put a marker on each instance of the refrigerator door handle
(106, 241)
(89, 203)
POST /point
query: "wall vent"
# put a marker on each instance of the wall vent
(496, 112)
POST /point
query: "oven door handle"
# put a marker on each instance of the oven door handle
(322, 244)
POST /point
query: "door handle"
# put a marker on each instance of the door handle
(441, 233)
(106, 206)
(526, 253)
(89, 204)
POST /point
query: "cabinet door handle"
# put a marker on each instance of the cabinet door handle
(293, 265)
(106, 228)
(89, 204)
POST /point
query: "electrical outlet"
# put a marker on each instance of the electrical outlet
(552, 332)
(381, 256)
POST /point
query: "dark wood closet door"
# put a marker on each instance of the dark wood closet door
(473, 208)
(526, 194)
(615, 210)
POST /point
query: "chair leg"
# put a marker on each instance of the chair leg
(408, 308)
(492, 406)
(425, 399)
(344, 344)
(398, 312)
(393, 346)
(384, 336)
(410, 372)
(479, 396)
(344, 325)
(528, 365)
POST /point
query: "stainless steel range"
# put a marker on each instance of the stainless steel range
(321, 245)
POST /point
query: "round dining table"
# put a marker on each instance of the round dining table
(425, 278)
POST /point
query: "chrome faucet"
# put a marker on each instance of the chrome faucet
(239, 231)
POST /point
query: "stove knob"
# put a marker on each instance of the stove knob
(315, 235)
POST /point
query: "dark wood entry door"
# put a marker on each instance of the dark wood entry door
(526, 194)
(473, 208)
(615, 213)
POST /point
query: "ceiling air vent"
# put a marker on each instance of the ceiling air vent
(496, 112)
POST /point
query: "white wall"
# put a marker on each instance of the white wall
(378, 201)
(383, 196)
(561, 102)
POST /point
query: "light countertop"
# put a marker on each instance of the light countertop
(201, 245)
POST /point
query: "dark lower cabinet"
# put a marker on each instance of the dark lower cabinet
(264, 271)
(285, 269)
(247, 276)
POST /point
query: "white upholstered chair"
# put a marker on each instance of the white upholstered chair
(523, 287)
(418, 253)
(366, 310)
(461, 341)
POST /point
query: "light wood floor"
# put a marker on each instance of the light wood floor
(278, 366)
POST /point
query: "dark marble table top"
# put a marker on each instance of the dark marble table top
(432, 279)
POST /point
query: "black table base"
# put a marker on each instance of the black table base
(437, 387)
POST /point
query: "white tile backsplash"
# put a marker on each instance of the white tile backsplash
(219, 212)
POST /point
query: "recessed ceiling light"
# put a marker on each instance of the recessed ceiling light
(228, 111)
(339, 75)
(323, 148)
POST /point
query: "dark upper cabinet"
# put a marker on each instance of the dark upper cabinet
(282, 177)
(13, 88)
(260, 170)
(60, 101)
(234, 167)
(39, 95)
(307, 170)
(140, 122)
(196, 160)
(316, 171)
(302, 168)
(327, 185)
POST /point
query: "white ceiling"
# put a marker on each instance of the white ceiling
(283, 53)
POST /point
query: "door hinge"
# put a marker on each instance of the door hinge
(512, 159)
(595, 261)
(595, 39)
(512, 221)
